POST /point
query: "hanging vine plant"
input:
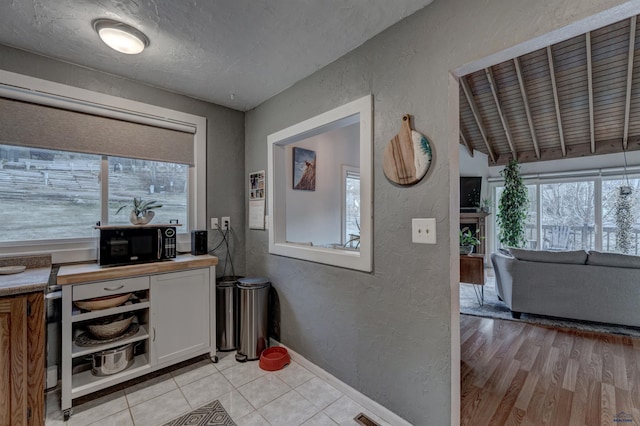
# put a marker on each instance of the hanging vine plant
(513, 207)
(624, 219)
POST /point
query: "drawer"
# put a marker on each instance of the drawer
(109, 288)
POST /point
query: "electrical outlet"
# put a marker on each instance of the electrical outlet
(423, 231)
(214, 223)
(226, 223)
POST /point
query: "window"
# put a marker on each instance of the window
(567, 215)
(351, 214)
(46, 194)
(579, 213)
(58, 193)
(166, 183)
(69, 245)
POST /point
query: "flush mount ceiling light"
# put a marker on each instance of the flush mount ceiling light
(121, 37)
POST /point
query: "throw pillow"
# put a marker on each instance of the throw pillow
(577, 257)
(613, 259)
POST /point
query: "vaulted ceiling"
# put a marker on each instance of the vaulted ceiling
(576, 98)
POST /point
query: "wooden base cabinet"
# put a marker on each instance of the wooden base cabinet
(175, 312)
(22, 339)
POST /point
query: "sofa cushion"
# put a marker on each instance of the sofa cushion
(613, 259)
(578, 257)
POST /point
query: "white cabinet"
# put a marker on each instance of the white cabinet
(179, 314)
(176, 316)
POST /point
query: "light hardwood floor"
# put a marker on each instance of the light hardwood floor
(514, 373)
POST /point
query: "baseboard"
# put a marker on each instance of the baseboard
(377, 409)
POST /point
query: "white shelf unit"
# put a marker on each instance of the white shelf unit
(158, 343)
(77, 317)
(85, 382)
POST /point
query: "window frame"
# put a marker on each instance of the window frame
(35, 90)
(358, 110)
(346, 172)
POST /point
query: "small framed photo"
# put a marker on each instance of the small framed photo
(304, 169)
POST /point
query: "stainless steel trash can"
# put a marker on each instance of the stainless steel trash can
(253, 296)
(227, 313)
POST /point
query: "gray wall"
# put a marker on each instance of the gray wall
(225, 131)
(316, 216)
(389, 334)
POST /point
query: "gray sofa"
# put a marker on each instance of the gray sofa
(601, 287)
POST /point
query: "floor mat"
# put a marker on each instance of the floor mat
(494, 308)
(211, 414)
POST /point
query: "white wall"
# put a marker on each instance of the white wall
(315, 216)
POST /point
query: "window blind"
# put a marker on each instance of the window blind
(39, 126)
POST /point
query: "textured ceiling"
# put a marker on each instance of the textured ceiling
(210, 50)
(577, 98)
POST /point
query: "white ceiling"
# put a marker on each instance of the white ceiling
(208, 49)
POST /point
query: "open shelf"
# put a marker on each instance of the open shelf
(84, 383)
(190, 285)
(77, 351)
(83, 316)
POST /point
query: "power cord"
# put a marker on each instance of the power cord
(226, 241)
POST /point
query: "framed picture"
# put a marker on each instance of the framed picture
(304, 169)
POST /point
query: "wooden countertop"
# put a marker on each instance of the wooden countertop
(86, 272)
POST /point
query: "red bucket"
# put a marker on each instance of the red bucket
(274, 358)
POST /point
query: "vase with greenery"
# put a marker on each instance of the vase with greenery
(141, 211)
(468, 240)
(513, 207)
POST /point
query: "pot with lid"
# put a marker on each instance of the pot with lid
(112, 361)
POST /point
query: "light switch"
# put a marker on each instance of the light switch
(423, 231)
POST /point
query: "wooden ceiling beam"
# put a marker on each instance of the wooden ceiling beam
(466, 143)
(476, 114)
(503, 118)
(590, 88)
(527, 109)
(554, 85)
(632, 44)
(573, 151)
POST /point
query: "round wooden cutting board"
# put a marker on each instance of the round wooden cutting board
(407, 156)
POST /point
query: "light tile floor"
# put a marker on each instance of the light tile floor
(251, 396)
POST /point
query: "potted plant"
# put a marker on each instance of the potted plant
(468, 240)
(485, 205)
(624, 219)
(141, 211)
(513, 207)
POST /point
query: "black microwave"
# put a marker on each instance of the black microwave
(136, 244)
